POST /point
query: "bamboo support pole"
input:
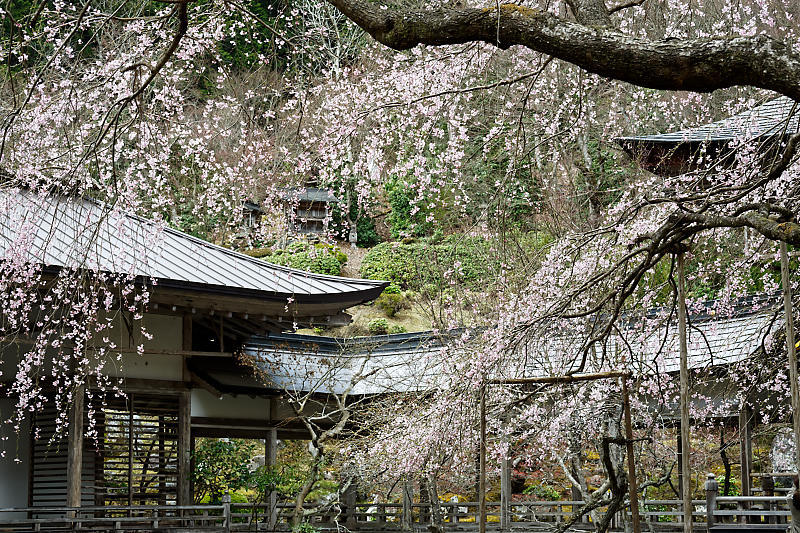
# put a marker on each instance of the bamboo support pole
(790, 349)
(684, 400)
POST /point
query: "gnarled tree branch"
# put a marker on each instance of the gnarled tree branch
(700, 65)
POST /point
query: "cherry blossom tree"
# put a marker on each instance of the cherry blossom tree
(504, 113)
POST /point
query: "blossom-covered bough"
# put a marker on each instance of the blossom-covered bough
(589, 279)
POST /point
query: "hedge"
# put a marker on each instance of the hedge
(318, 258)
(416, 264)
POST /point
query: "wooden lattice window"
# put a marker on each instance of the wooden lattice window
(136, 461)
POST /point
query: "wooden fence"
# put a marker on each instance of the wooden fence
(725, 514)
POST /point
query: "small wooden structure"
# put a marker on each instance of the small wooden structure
(308, 210)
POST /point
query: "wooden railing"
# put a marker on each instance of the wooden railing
(122, 518)
(722, 513)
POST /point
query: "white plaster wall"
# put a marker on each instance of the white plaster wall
(204, 404)
(13, 474)
(146, 366)
(166, 332)
(167, 335)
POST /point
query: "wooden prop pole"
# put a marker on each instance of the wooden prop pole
(684, 401)
(790, 349)
(632, 488)
(482, 480)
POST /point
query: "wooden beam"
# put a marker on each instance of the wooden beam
(148, 385)
(205, 385)
(684, 400)
(184, 448)
(75, 448)
(790, 349)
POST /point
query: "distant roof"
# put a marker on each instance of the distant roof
(252, 206)
(308, 194)
(711, 341)
(412, 362)
(379, 364)
(68, 232)
(764, 120)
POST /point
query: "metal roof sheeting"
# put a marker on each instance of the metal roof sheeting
(764, 120)
(710, 342)
(414, 362)
(67, 232)
(367, 365)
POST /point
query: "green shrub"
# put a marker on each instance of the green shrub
(469, 260)
(542, 491)
(219, 466)
(396, 328)
(304, 527)
(321, 258)
(329, 248)
(392, 289)
(258, 252)
(367, 236)
(402, 218)
(391, 303)
(378, 326)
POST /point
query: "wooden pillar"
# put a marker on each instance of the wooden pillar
(75, 448)
(768, 489)
(407, 517)
(270, 460)
(746, 446)
(505, 493)
(790, 349)
(184, 447)
(684, 400)
(425, 503)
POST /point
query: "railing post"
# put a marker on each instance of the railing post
(226, 511)
(768, 489)
(712, 491)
